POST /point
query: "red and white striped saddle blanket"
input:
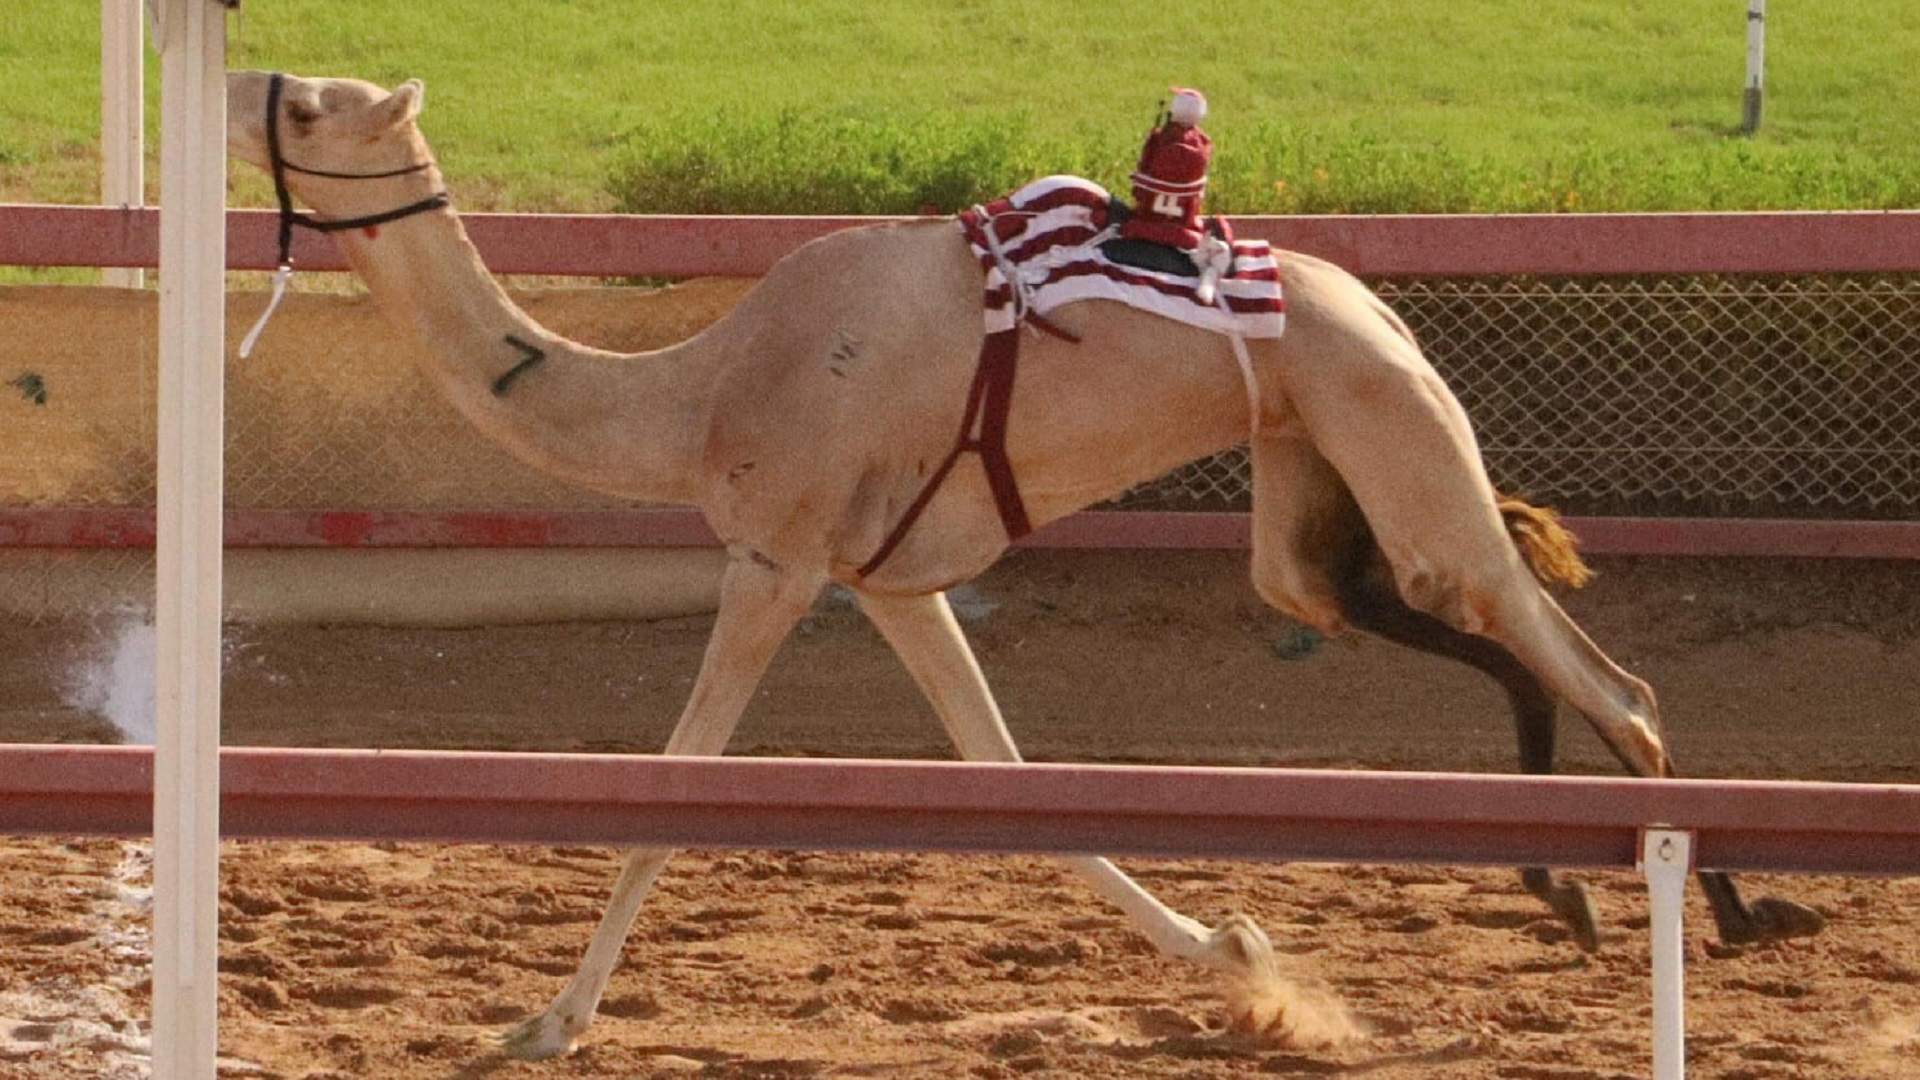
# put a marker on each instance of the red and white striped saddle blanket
(1048, 234)
(1040, 249)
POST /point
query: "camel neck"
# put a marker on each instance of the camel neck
(628, 425)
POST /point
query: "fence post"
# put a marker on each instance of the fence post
(186, 762)
(122, 109)
(1666, 857)
(1756, 65)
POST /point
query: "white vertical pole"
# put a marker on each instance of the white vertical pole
(186, 823)
(1666, 857)
(1756, 65)
(122, 108)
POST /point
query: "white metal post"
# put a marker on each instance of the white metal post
(186, 821)
(122, 114)
(1756, 65)
(1666, 857)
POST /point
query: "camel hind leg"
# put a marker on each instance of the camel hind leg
(1314, 559)
(1371, 604)
(1311, 546)
(1381, 417)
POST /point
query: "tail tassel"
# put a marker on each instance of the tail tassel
(1549, 547)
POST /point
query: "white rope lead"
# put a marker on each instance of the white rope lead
(280, 279)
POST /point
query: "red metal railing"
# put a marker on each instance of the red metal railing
(1409, 245)
(612, 245)
(628, 800)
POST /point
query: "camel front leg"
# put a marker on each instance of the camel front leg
(759, 603)
(928, 640)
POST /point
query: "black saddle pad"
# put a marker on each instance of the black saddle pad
(1148, 255)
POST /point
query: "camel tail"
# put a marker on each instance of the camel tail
(1549, 547)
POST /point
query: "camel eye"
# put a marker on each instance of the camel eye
(302, 113)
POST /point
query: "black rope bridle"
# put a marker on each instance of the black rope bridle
(289, 217)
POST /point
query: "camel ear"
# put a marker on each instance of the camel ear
(406, 102)
(391, 111)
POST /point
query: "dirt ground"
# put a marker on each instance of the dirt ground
(399, 961)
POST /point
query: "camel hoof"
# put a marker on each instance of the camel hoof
(536, 1039)
(1773, 919)
(1239, 947)
(1777, 919)
(1267, 1007)
(1570, 901)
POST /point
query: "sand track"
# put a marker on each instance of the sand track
(400, 960)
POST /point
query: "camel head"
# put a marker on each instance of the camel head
(340, 126)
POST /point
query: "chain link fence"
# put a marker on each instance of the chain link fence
(1715, 396)
(1720, 396)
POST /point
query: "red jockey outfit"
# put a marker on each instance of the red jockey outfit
(1172, 176)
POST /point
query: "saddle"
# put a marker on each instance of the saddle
(1144, 254)
(1148, 255)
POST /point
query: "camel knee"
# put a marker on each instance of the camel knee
(1453, 598)
(1309, 599)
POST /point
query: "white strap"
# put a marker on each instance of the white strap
(280, 279)
(1245, 360)
(1017, 286)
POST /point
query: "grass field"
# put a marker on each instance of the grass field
(844, 106)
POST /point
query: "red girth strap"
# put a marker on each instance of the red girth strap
(984, 431)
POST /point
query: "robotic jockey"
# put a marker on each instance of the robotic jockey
(1167, 187)
(1172, 176)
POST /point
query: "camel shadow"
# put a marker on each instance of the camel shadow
(482, 1067)
(491, 1063)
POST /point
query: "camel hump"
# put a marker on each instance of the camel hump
(1549, 547)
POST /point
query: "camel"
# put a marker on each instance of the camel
(804, 422)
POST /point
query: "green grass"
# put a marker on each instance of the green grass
(842, 106)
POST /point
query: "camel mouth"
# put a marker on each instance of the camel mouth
(245, 144)
(246, 116)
